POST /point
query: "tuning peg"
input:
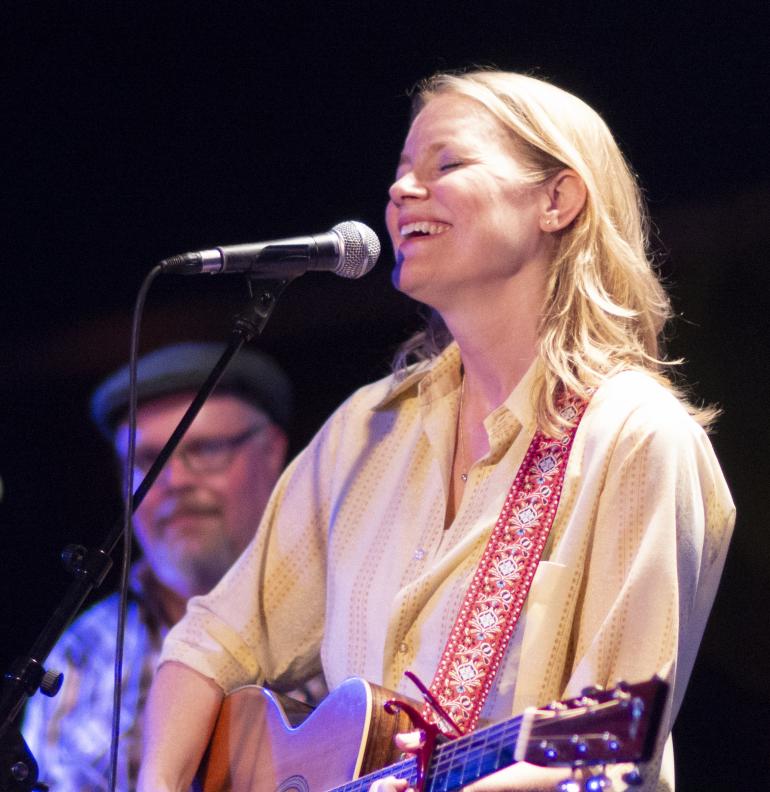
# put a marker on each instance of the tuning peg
(633, 777)
(591, 691)
(596, 783)
(580, 747)
(550, 752)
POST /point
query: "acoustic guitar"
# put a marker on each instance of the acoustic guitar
(346, 743)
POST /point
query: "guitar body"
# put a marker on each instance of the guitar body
(255, 749)
(347, 741)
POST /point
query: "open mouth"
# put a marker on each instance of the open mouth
(422, 229)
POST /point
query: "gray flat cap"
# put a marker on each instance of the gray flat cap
(251, 375)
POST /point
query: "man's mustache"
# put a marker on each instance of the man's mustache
(174, 508)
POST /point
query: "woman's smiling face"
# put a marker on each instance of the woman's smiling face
(462, 211)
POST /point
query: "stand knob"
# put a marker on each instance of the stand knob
(20, 771)
(51, 683)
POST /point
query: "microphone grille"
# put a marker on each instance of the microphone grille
(359, 249)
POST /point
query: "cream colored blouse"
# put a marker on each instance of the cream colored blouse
(352, 570)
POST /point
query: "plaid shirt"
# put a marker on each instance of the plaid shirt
(69, 734)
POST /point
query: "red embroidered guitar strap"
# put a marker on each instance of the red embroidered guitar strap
(496, 595)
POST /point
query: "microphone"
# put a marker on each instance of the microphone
(350, 250)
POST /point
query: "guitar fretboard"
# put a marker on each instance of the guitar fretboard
(456, 763)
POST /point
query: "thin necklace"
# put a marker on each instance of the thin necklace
(460, 438)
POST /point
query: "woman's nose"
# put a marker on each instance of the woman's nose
(405, 187)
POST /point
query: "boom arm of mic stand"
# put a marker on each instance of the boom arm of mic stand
(18, 769)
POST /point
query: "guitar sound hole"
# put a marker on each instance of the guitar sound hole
(295, 783)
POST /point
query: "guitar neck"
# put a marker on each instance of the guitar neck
(456, 763)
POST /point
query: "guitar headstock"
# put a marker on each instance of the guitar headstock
(601, 726)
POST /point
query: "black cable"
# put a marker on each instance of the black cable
(128, 497)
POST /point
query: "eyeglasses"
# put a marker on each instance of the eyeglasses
(204, 455)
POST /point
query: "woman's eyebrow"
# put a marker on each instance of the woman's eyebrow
(405, 159)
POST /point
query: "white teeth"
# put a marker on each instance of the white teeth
(423, 227)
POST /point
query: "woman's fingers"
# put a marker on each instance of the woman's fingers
(389, 784)
(410, 741)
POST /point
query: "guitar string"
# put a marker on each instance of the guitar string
(480, 739)
(472, 758)
(445, 759)
(406, 768)
(478, 754)
(458, 755)
(505, 735)
(457, 764)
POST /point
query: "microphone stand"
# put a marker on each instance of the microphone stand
(18, 768)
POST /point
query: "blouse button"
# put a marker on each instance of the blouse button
(403, 647)
(419, 554)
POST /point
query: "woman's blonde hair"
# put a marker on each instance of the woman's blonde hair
(605, 307)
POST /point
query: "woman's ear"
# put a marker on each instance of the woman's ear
(564, 195)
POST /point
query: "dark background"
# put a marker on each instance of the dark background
(132, 132)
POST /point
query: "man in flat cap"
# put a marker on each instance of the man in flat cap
(194, 522)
